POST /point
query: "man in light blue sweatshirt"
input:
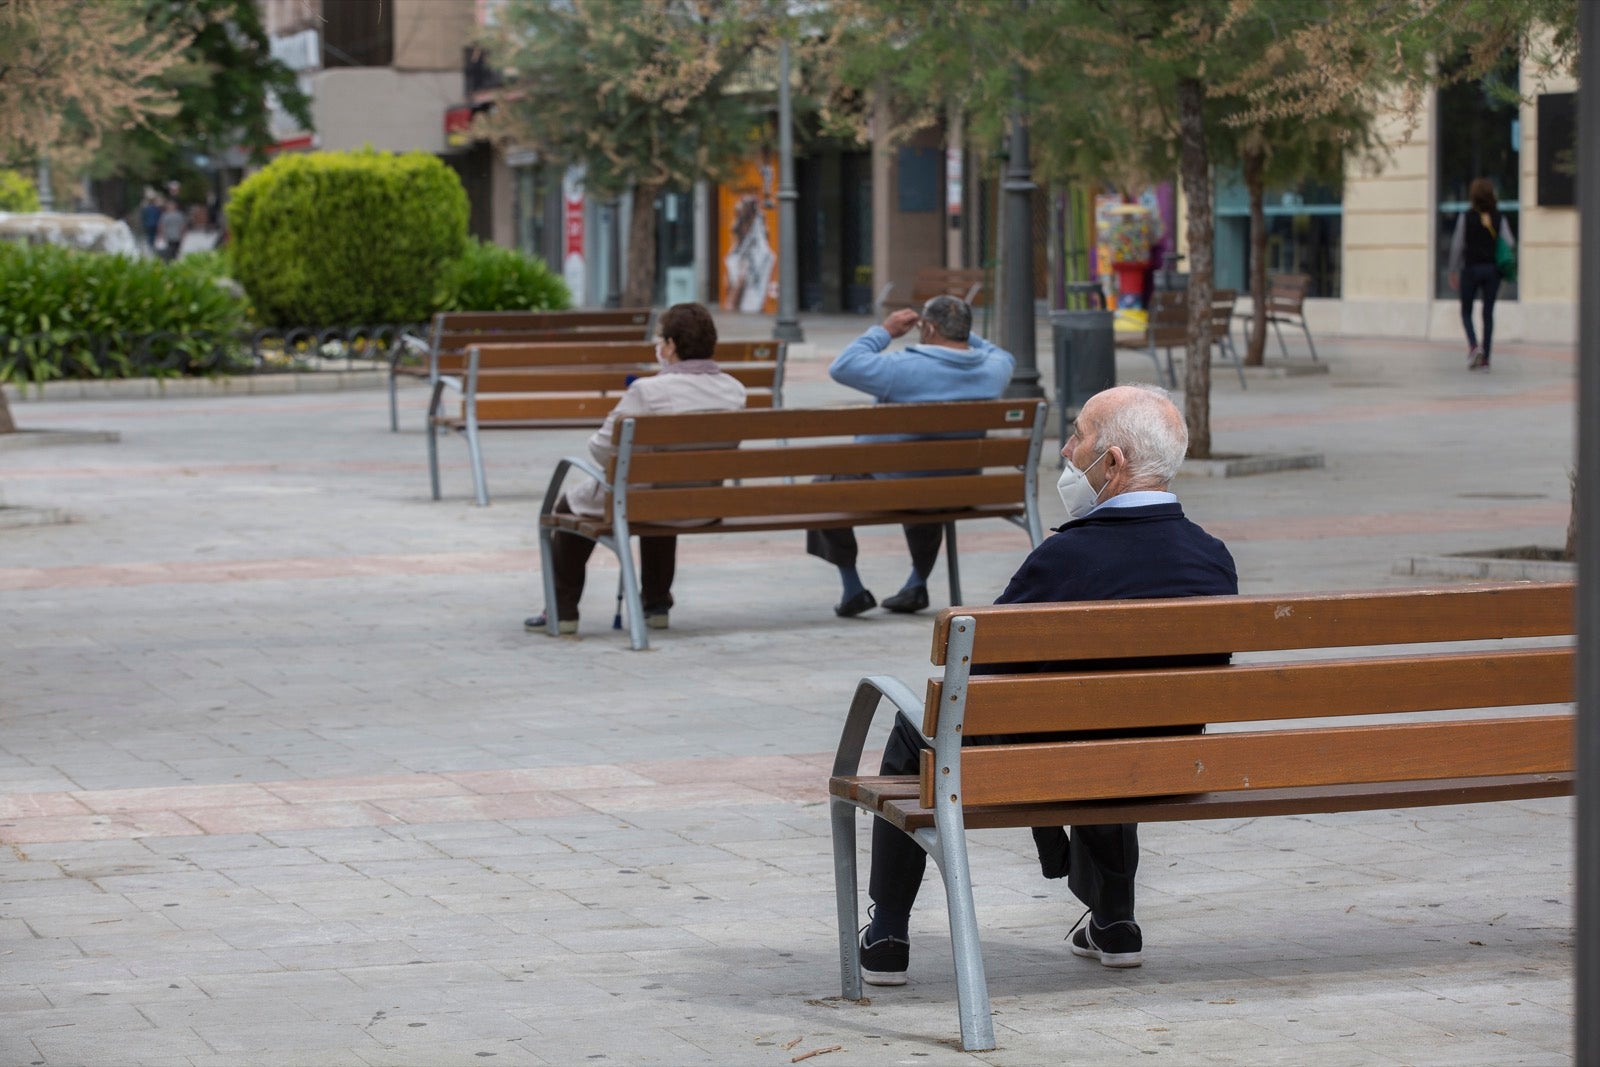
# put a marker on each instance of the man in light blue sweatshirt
(949, 362)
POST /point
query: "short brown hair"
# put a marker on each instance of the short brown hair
(691, 328)
(1480, 194)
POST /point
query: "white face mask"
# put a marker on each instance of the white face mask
(1077, 495)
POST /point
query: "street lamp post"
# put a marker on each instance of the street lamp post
(788, 324)
(1017, 317)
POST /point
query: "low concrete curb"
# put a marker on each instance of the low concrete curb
(1239, 466)
(1487, 568)
(234, 385)
(25, 438)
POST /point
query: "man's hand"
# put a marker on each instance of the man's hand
(1455, 282)
(900, 322)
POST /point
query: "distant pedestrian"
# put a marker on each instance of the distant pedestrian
(170, 231)
(1472, 265)
(150, 217)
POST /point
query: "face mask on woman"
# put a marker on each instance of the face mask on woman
(1077, 495)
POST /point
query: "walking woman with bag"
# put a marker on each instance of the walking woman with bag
(1482, 252)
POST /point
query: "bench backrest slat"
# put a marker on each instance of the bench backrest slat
(801, 498)
(1098, 700)
(952, 417)
(578, 318)
(608, 378)
(1268, 759)
(1199, 625)
(591, 353)
(593, 407)
(459, 340)
(804, 461)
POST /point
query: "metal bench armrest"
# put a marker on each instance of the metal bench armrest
(552, 492)
(870, 691)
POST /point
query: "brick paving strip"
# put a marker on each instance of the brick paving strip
(412, 799)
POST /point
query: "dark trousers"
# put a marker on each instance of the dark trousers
(569, 558)
(1103, 859)
(1484, 278)
(837, 545)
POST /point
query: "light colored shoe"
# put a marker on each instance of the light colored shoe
(656, 621)
(539, 623)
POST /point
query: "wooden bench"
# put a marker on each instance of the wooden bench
(1169, 328)
(761, 466)
(564, 384)
(452, 331)
(963, 282)
(1286, 302)
(1276, 754)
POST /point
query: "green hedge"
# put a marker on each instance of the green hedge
(335, 238)
(491, 278)
(71, 314)
(17, 193)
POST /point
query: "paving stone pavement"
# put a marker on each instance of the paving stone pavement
(283, 781)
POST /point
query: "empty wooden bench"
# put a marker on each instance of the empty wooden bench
(564, 384)
(1272, 749)
(761, 467)
(963, 282)
(1169, 328)
(1286, 302)
(452, 331)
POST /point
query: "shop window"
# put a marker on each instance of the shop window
(675, 248)
(1480, 136)
(1305, 229)
(530, 209)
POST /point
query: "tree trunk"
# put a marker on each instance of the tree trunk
(640, 288)
(1194, 168)
(1255, 162)
(7, 424)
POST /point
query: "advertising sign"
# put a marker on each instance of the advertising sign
(747, 225)
(572, 261)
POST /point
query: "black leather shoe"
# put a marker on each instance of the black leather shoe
(849, 609)
(908, 600)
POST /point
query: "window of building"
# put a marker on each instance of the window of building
(357, 33)
(1480, 136)
(530, 209)
(1305, 230)
(675, 248)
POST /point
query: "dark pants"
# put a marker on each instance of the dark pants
(837, 545)
(569, 558)
(1484, 278)
(1103, 859)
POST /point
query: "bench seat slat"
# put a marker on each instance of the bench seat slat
(1035, 703)
(1265, 759)
(1029, 633)
(895, 799)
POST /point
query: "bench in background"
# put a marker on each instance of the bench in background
(1168, 328)
(1442, 746)
(452, 331)
(566, 384)
(1286, 302)
(761, 466)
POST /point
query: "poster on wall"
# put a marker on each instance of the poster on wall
(572, 262)
(747, 224)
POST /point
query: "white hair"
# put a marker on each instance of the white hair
(1149, 429)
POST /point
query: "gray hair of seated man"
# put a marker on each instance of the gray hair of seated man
(950, 315)
(1150, 430)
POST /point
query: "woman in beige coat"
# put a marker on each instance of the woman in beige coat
(689, 380)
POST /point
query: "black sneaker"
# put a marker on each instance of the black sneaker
(884, 961)
(1118, 945)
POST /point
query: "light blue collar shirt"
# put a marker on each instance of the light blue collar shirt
(1142, 498)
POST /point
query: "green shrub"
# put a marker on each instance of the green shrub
(491, 278)
(17, 193)
(71, 314)
(339, 238)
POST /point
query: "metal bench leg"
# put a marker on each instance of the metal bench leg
(972, 986)
(394, 402)
(633, 603)
(475, 452)
(1310, 343)
(1233, 354)
(433, 455)
(547, 568)
(844, 887)
(1279, 331)
(952, 562)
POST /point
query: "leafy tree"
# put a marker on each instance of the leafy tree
(649, 95)
(71, 71)
(221, 84)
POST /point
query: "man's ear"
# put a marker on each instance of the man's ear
(1116, 463)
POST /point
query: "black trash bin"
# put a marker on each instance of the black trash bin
(1086, 359)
